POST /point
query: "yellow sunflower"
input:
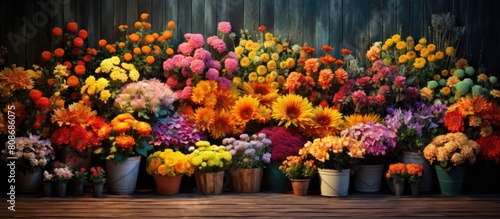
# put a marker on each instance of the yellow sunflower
(262, 91)
(326, 121)
(356, 118)
(204, 118)
(292, 109)
(222, 125)
(245, 108)
(226, 98)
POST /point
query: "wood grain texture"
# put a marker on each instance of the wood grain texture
(390, 18)
(403, 20)
(322, 25)
(264, 205)
(336, 30)
(281, 18)
(296, 32)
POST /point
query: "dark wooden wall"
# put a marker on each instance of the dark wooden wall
(339, 23)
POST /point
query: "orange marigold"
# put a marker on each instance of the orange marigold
(121, 127)
(143, 128)
(72, 27)
(59, 53)
(78, 42)
(83, 34)
(46, 55)
(73, 81)
(57, 32)
(326, 48)
(144, 16)
(42, 103)
(35, 94)
(150, 60)
(146, 49)
(127, 56)
(171, 24)
(149, 39)
(125, 141)
(102, 43)
(80, 70)
(134, 37)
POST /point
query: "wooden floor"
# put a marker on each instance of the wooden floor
(263, 205)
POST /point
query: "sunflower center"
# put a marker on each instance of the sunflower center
(292, 112)
(323, 120)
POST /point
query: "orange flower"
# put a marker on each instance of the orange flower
(78, 42)
(35, 94)
(72, 27)
(137, 24)
(59, 53)
(167, 34)
(127, 56)
(121, 127)
(51, 82)
(262, 28)
(80, 70)
(327, 59)
(102, 43)
(83, 34)
(42, 103)
(46, 55)
(137, 50)
(171, 24)
(326, 48)
(134, 37)
(57, 32)
(143, 128)
(311, 66)
(146, 49)
(73, 81)
(87, 58)
(125, 141)
(150, 60)
(453, 120)
(149, 39)
(461, 63)
(170, 51)
(345, 51)
(144, 16)
(373, 54)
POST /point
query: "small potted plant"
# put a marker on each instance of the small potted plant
(210, 162)
(299, 170)
(415, 172)
(62, 174)
(397, 173)
(168, 167)
(47, 184)
(79, 180)
(98, 179)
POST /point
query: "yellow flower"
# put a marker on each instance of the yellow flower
(101, 84)
(401, 45)
(422, 41)
(426, 93)
(418, 47)
(431, 58)
(411, 55)
(389, 42)
(424, 52)
(237, 81)
(450, 51)
(252, 54)
(396, 38)
(436, 77)
(253, 76)
(283, 65)
(239, 50)
(245, 62)
(105, 94)
(384, 47)
(261, 79)
(261, 70)
(431, 47)
(495, 93)
(275, 56)
(439, 55)
(292, 109)
(445, 91)
(403, 59)
(268, 36)
(419, 63)
(134, 75)
(444, 73)
(264, 57)
(271, 65)
(115, 60)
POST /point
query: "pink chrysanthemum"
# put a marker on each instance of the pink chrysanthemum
(224, 27)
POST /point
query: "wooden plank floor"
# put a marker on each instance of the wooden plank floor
(262, 205)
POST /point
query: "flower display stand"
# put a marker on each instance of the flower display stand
(209, 183)
(333, 182)
(300, 186)
(276, 179)
(246, 180)
(368, 178)
(122, 177)
(450, 182)
(29, 182)
(425, 184)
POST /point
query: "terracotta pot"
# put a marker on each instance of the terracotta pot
(168, 185)
(300, 186)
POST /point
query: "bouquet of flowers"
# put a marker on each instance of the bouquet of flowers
(168, 163)
(31, 152)
(298, 167)
(417, 124)
(62, 172)
(176, 131)
(397, 172)
(249, 151)
(452, 149)
(377, 140)
(127, 137)
(285, 142)
(47, 177)
(333, 152)
(414, 172)
(490, 147)
(208, 158)
(80, 175)
(97, 174)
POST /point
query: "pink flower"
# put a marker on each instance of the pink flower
(363, 81)
(359, 97)
(224, 83)
(231, 65)
(202, 54)
(197, 66)
(399, 81)
(172, 82)
(185, 48)
(196, 40)
(213, 64)
(377, 65)
(212, 74)
(224, 27)
(168, 65)
(384, 89)
(380, 99)
(218, 45)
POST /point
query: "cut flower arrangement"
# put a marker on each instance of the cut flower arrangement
(169, 163)
(401, 172)
(298, 167)
(208, 158)
(452, 149)
(248, 151)
(31, 152)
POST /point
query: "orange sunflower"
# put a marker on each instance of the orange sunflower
(84, 115)
(292, 109)
(266, 93)
(326, 121)
(226, 98)
(222, 125)
(245, 108)
(15, 78)
(204, 118)
(473, 106)
(356, 118)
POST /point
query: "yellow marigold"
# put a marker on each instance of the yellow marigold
(396, 38)
(439, 55)
(431, 47)
(271, 65)
(401, 45)
(424, 52)
(426, 93)
(253, 76)
(436, 77)
(121, 127)
(101, 84)
(134, 75)
(237, 81)
(418, 47)
(389, 42)
(261, 79)
(431, 58)
(265, 57)
(402, 59)
(268, 36)
(422, 41)
(482, 77)
(290, 63)
(452, 81)
(445, 91)
(384, 47)
(261, 70)
(245, 62)
(143, 128)
(283, 65)
(444, 73)
(275, 56)
(411, 55)
(450, 51)
(419, 63)
(104, 96)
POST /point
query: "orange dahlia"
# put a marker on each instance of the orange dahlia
(125, 141)
(204, 118)
(453, 120)
(143, 128)
(222, 125)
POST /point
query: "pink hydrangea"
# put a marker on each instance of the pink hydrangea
(213, 64)
(231, 65)
(224, 27)
(168, 65)
(196, 40)
(212, 74)
(224, 83)
(185, 48)
(202, 54)
(218, 45)
(197, 66)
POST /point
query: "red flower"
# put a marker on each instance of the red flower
(453, 120)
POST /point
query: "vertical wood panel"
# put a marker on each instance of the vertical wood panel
(32, 42)
(210, 18)
(107, 25)
(361, 26)
(267, 14)
(94, 27)
(158, 16)
(236, 10)
(460, 12)
(120, 18)
(132, 14)
(309, 10)
(487, 46)
(82, 13)
(322, 25)
(416, 18)
(172, 14)
(251, 14)
(403, 23)
(18, 34)
(281, 18)
(349, 21)
(430, 7)
(184, 23)
(296, 32)
(336, 30)
(69, 11)
(390, 18)
(376, 20)
(223, 7)
(44, 36)
(444, 6)
(473, 32)
(198, 15)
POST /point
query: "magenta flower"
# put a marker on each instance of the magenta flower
(231, 65)
(224, 27)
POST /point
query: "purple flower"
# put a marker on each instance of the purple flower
(224, 83)
(212, 74)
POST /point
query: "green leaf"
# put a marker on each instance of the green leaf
(98, 151)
